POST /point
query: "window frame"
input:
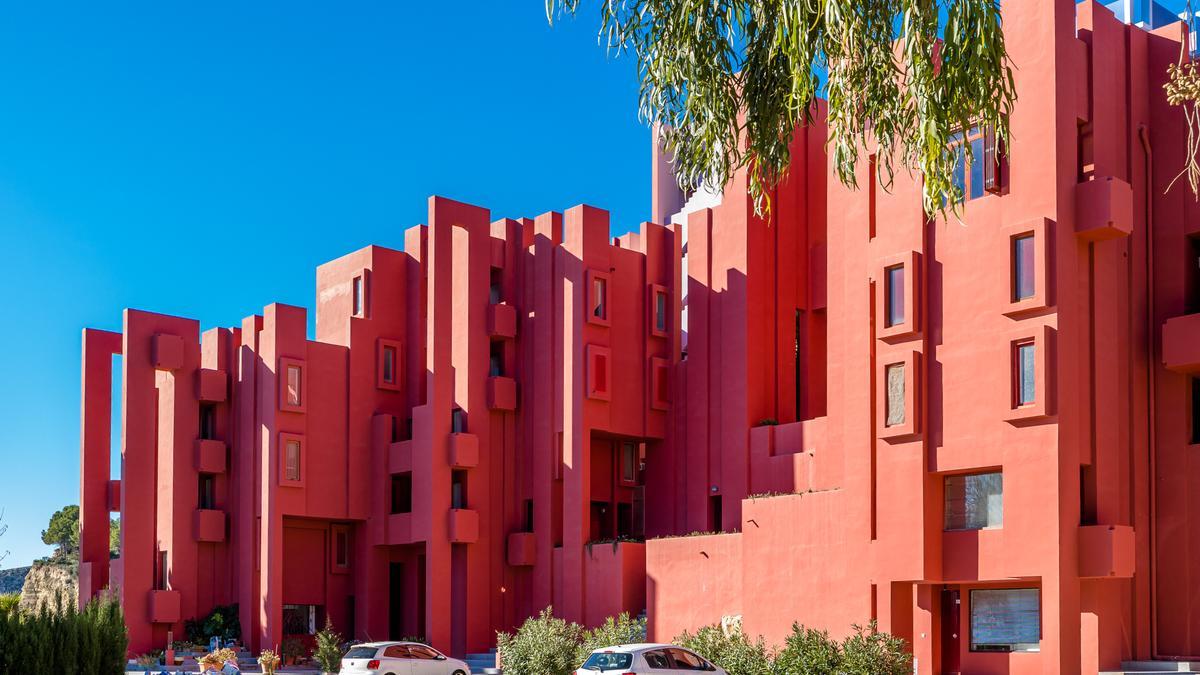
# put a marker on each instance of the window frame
(284, 439)
(1043, 406)
(599, 372)
(284, 373)
(1041, 230)
(658, 291)
(381, 382)
(592, 277)
(342, 530)
(971, 620)
(967, 476)
(987, 139)
(910, 326)
(911, 426)
(622, 448)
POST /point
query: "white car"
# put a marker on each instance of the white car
(399, 658)
(646, 658)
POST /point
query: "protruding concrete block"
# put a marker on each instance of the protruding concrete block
(1181, 344)
(1103, 209)
(210, 525)
(164, 606)
(502, 321)
(522, 549)
(1106, 551)
(212, 385)
(502, 393)
(464, 526)
(464, 451)
(210, 456)
(168, 352)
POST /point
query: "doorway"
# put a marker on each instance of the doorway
(951, 630)
(395, 601)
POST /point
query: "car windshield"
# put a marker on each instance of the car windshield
(608, 661)
(361, 653)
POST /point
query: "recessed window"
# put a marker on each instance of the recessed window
(389, 365)
(981, 173)
(660, 311)
(629, 462)
(458, 421)
(894, 279)
(206, 491)
(1006, 620)
(529, 515)
(496, 360)
(208, 421)
(358, 297)
(458, 489)
(974, 501)
(291, 460)
(600, 298)
(341, 547)
(895, 413)
(160, 572)
(295, 382)
(1026, 373)
(495, 288)
(1023, 267)
(402, 493)
(1196, 410)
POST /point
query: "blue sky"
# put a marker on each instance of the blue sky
(201, 159)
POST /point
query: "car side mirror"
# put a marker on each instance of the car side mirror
(440, 657)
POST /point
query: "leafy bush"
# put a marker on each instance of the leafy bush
(870, 652)
(736, 653)
(222, 622)
(808, 651)
(622, 630)
(9, 602)
(543, 645)
(63, 641)
(328, 653)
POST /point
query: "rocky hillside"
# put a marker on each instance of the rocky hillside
(45, 580)
(12, 579)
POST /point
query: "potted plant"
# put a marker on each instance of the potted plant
(147, 661)
(328, 653)
(211, 663)
(291, 650)
(268, 660)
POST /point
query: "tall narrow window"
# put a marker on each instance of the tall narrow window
(160, 572)
(600, 298)
(341, 548)
(629, 462)
(974, 501)
(458, 421)
(660, 311)
(207, 492)
(208, 421)
(991, 161)
(402, 493)
(495, 290)
(894, 278)
(529, 515)
(1026, 374)
(1023, 267)
(977, 159)
(291, 460)
(496, 360)
(358, 296)
(294, 382)
(389, 365)
(1196, 410)
(458, 490)
(895, 413)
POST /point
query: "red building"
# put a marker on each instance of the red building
(976, 432)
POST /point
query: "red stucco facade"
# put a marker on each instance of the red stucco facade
(481, 414)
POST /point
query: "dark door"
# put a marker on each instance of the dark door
(396, 601)
(951, 630)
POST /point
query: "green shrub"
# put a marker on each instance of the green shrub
(870, 652)
(808, 651)
(328, 653)
(736, 653)
(622, 630)
(62, 641)
(222, 622)
(543, 645)
(9, 602)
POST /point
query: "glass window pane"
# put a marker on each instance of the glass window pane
(292, 461)
(1023, 267)
(895, 394)
(628, 462)
(599, 301)
(894, 279)
(293, 385)
(358, 288)
(1026, 374)
(977, 168)
(974, 502)
(960, 163)
(389, 364)
(660, 312)
(1006, 620)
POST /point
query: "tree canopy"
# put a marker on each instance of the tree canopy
(63, 530)
(730, 80)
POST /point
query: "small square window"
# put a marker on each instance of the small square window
(894, 278)
(1026, 373)
(974, 501)
(295, 381)
(1024, 276)
(895, 414)
(359, 296)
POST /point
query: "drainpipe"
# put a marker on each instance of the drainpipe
(1151, 410)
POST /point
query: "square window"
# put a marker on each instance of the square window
(1026, 373)
(895, 414)
(894, 280)
(1024, 276)
(1006, 620)
(974, 501)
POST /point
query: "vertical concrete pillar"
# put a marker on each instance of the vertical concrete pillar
(94, 459)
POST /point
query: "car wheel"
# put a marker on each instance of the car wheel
(459, 672)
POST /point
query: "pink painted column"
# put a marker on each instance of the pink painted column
(94, 458)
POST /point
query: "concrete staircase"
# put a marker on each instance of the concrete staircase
(1149, 667)
(483, 663)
